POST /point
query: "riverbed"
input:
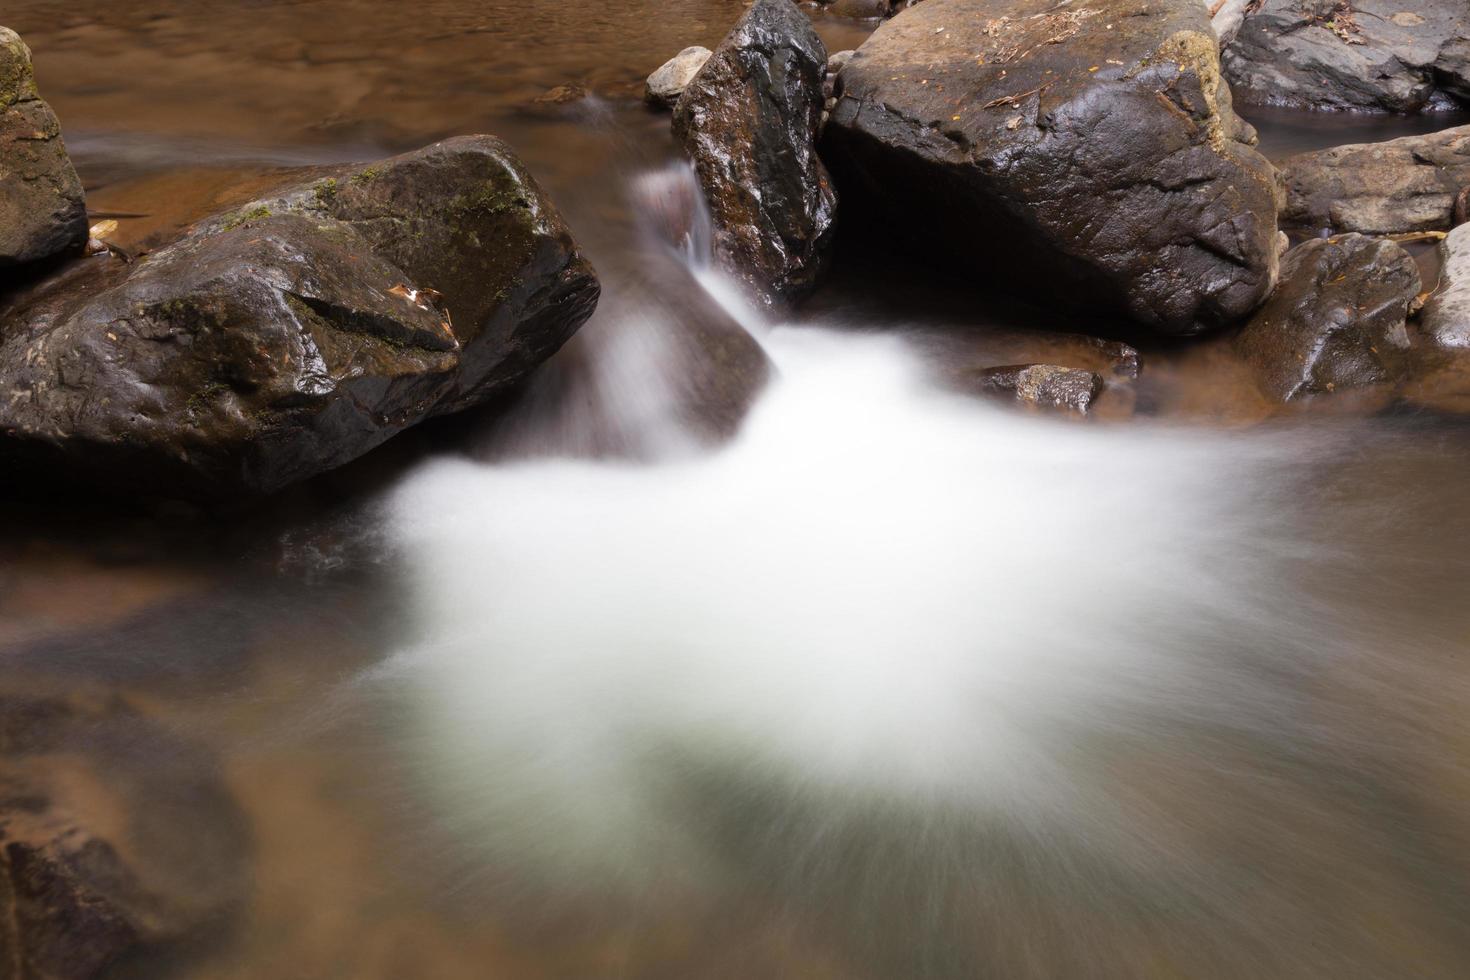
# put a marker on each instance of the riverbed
(890, 682)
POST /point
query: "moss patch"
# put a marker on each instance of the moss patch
(241, 217)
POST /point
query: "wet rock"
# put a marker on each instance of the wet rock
(1337, 321)
(1086, 154)
(671, 79)
(1047, 386)
(1452, 69)
(42, 211)
(837, 60)
(1384, 55)
(1226, 16)
(1402, 185)
(749, 122)
(1445, 319)
(561, 95)
(116, 838)
(298, 332)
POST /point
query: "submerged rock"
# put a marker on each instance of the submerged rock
(42, 211)
(1047, 386)
(1402, 185)
(1337, 321)
(749, 122)
(1089, 154)
(666, 84)
(861, 9)
(115, 838)
(1445, 320)
(1386, 55)
(286, 338)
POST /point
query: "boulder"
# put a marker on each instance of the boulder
(1445, 320)
(42, 211)
(116, 838)
(1385, 55)
(1402, 185)
(298, 332)
(749, 122)
(1043, 386)
(1337, 321)
(1084, 154)
(666, 84)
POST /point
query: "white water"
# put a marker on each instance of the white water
(897, 658)
(878, 590)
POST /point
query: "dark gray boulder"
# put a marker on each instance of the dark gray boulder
(116, 838)
(1384, 55)
(1445, 320)
(1042, 386)
(1088, 155)
(749, 122)
(1336, 323)
(1402, 185)
(42, 211)
(296, 333)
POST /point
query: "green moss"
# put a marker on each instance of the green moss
(366, 174)
(200, 399)
(17, 82)
(326, 191)
(490, 198)
(241, 217)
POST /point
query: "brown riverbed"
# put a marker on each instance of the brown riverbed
(1296, 805)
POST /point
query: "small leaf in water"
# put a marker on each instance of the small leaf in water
(102, 229)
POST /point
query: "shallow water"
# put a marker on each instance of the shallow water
(895, 683)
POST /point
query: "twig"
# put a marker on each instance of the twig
(1014, 99)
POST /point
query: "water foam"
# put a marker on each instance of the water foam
(880, 591)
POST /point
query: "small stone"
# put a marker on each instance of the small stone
(838, 60)
(561, 95)
(671, 79)
(1046, 386)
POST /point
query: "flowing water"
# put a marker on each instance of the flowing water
(892, 682)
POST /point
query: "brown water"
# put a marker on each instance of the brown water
(896, 685)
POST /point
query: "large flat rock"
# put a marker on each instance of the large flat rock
(1402, 185)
